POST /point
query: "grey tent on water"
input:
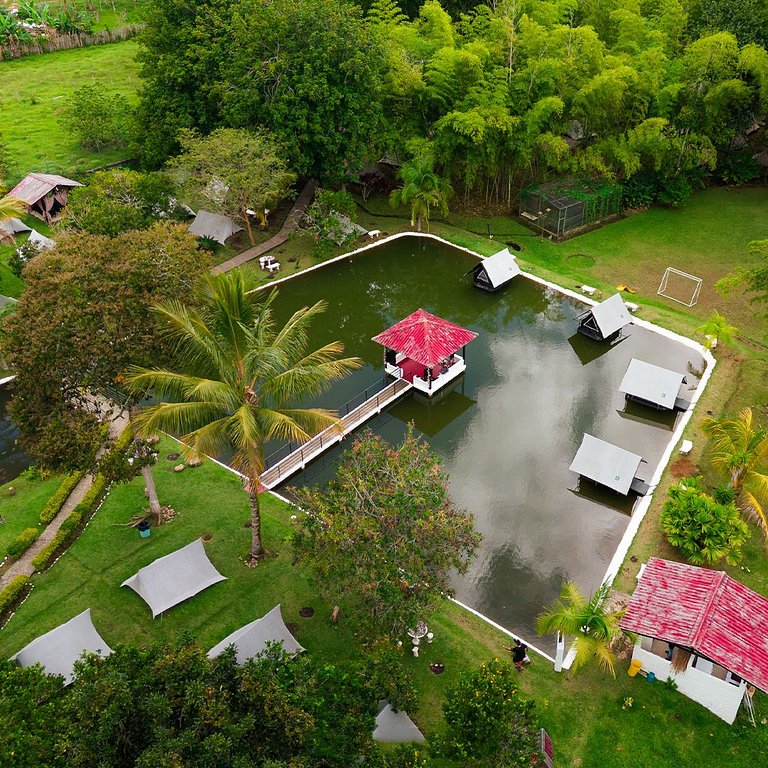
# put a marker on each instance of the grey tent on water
(252, 639)
(214, 226)
(651, 385)
(608, 465)
(41, 242)
(59, 649)
(395, 727)
(496, 271)
(174, 578)
(10, 228)
(604, 319)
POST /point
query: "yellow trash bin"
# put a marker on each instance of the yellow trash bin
(634, 667)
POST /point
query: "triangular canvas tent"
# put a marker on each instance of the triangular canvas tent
(214, 226)
(174, 578)
(251, 639)
(41, 242)
(395, 727)
(58, 650)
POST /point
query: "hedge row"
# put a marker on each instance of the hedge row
(12, 592)
(23, 542)
(51, 509)
(68, 528)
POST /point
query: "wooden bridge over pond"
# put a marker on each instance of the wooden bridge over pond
(297, 459)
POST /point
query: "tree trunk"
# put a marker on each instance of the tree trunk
(247, 220)
(257, 548)
(154, 504)
(418, 223)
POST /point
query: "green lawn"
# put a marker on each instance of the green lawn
(584, 713)
(22, 510)
(10, 285)
(35, 87)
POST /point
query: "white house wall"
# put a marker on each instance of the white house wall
(711, 692)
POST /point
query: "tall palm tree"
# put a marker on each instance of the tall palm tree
(593, 627)
(238, 376)
(740, 448)
(717, 328)
(423, 190)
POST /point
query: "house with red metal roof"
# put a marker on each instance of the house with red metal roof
(704, 630)
(44, 193)
(422, 349)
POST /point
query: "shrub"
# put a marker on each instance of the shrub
(486, 717)
(12, 592)
(638, 192)
(704, 530)
(51, 509)
(675, 192)
(23, 542)
(96, 118)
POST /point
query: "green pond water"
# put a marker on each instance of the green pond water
(508, 431)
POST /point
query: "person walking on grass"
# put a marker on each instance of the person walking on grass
(518, 651)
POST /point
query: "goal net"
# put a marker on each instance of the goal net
(680, 287)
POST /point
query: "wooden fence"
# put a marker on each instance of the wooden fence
(66, 42)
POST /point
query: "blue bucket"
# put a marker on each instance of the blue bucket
(651, 677)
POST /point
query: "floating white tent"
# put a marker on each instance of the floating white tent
(251, 639)
(214, 226)
(174, 578)
(651, 385)
(496, 271)
(395, 727)
(58, 650)
(607, 464)
(605, 319)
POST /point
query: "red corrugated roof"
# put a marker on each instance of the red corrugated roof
(707, 611)
(425, 338)
(35, 186)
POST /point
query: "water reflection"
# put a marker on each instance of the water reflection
(12, 459)
(509, 432)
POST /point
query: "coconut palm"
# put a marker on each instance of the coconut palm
(717, 328)
(238, 379)
(10, 208)
(423, 190)
(739, 447)
(593, 627)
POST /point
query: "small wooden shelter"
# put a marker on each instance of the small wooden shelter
(607, 464)
(704, 630)
(44, 193)
(604, 319)
(496, 271)
(422, 349)
(653, 386)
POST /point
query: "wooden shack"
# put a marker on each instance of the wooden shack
(45, 194)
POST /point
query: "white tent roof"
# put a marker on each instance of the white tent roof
(395, 727)
(11, 227)
(252, 639)
(172, 579)
(41, 241)
(611, 315)
(213, 225)
(606, 463)
(658, 385)
(500, 268)
(59, 649)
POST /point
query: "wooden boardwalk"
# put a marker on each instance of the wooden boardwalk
(299, 458)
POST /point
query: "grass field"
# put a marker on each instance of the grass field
(22, 510)
(583, 713)
(34, 89)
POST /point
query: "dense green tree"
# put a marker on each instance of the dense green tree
(705, 531)
(119, 200)
(422, 190)
(385, 532)
(589, 621)
(97, 118)
(233, 171)
(237, 380)
(747, 19)
(82, 320)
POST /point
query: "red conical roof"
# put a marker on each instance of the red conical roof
(425, 338)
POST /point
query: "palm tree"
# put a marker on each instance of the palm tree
(740, 448)
(717, 328)
(423, 190)
(237, 376)
(588, 621)
(10, 208)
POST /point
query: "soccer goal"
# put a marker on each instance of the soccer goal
(680, 287)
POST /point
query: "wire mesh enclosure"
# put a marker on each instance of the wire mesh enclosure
(558, 208)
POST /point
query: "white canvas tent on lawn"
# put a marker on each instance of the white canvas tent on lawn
(174, 578)
(41, 242)
(395, 727)
(251, 639)
(213, 226)
(58, 650)
(10, 228)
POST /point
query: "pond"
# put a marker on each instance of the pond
(509, 430)
(13, 460)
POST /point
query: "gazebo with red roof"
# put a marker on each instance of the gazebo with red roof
(422, 349)
(705, 630)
